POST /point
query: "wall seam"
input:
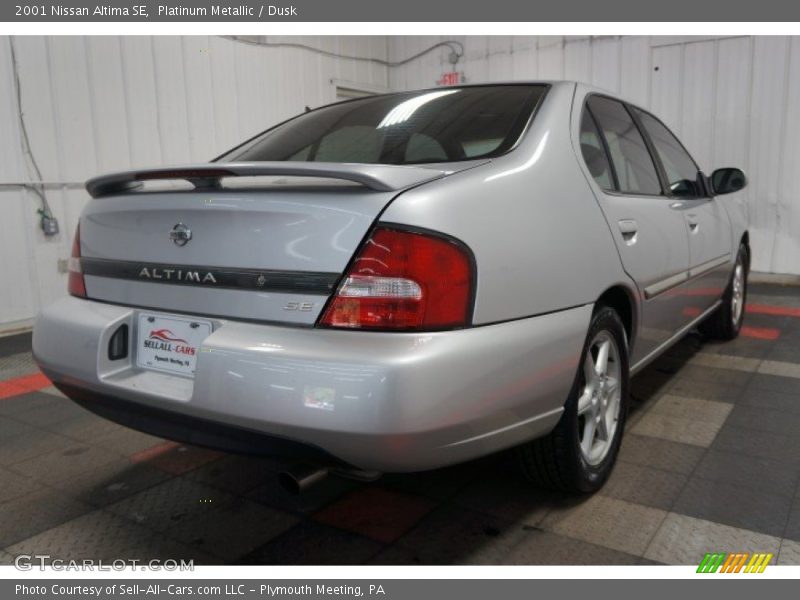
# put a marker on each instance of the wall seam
(157, 96)
(125, 88)
(782, 146)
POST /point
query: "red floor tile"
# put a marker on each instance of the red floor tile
(153, 452)
(377, 513)
(761, 333)
(23, 385)
(778, 311)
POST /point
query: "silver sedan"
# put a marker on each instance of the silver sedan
(402, 282)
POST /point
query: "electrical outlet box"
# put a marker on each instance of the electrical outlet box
(49, 226)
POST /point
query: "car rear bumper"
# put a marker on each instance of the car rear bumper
(388, 402)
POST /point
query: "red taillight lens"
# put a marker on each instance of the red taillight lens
(76, 285)
(404, 280)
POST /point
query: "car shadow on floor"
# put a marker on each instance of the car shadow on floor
(658, 376)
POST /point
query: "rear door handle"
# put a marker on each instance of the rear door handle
(629, 229)
(691, 220)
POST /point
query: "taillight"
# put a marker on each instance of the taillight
(404, 280)
(76, 285)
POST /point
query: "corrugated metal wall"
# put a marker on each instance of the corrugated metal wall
(733, 101)
(96, 104)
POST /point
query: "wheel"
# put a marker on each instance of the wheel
(578, 455)
(726, 322)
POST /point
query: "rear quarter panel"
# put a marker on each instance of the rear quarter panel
(541, 243)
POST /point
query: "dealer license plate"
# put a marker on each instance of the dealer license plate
(170, 344)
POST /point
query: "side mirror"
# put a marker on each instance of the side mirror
(727, 181)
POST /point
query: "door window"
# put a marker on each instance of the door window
(594, 154)
(633, 165)
(681, 170)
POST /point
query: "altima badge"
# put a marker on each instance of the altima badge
(180, 234)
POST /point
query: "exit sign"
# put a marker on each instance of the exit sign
(451, 78)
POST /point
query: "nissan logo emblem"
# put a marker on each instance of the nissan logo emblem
(180, 234)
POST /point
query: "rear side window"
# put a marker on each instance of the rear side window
(443, 125)
(633, 165)
(594, 154)
(681, 170)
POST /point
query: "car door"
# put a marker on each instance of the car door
(651, 236)
(707, 222)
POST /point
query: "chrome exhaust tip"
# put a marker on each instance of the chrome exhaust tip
(299, 478)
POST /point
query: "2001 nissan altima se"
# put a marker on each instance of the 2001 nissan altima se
(401, 282)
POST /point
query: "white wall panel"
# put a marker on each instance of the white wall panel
(606, 65)
(635, 69)
(767, 116)
(698, 100)
(109, 102)
(139, 85)
(38, 95)
(524, 58)
(578, 60)
(97, 104)
(224, 93)
(666, 95)
(786, 249)
(732, 102)
(171, 99)
(251, 98)
(477, 61)
(19, 291)
(500, 62)
(551, 57)
(200, 113)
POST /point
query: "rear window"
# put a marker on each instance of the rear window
(444, 125)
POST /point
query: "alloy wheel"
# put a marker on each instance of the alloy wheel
(737, 295)
(599, 402)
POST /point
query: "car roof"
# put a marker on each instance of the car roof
(589, 88)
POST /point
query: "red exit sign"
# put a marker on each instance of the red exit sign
(451, 78)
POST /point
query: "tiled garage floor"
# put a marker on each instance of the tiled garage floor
(710, 462)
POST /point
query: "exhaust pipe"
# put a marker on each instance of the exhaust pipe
(299, 478)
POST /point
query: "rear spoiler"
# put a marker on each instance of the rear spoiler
(381, 178)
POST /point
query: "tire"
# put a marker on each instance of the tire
(725, 323)
(559, 460)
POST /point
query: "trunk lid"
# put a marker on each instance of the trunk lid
(256, 241)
